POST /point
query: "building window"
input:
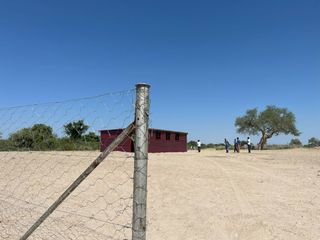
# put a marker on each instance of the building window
(177, 136)
(168, 136)
(158, 135)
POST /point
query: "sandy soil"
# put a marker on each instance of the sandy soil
(208, 195)
(213, 195)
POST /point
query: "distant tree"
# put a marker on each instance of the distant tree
(210, 145)
(42, 134)
(204, 146)
(243, 143)
(91, 137)
(270, 122)
(38, 137)
(313, 142)
(192, 144)
(75, 130)
(22, 138)
(295, 142)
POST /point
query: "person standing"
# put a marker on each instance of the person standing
(249, 144)
(199, 146)
(238, 145)
(226, 145)
(235, 145)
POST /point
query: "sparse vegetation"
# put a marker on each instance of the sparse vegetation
(313, 142)
(277, 146)
(295, 143)
(193, 145)
(40, 137)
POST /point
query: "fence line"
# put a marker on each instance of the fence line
(38, 162)
(77, 182)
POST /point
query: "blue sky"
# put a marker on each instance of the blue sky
(207, 61)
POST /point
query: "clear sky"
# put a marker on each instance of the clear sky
(207, 61)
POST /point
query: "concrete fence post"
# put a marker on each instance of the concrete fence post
(141, 136)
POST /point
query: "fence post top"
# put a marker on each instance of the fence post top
(143, 85)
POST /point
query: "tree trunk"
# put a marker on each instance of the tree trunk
(262, 142)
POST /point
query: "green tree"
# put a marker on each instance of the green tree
(38, 137)
(243, 143)
(192, 144)
(210, 145)
(41, 132)
(270, 122)
(91, 137)
(295, 142)
(313, 142)
(22, 138)
(75, 130)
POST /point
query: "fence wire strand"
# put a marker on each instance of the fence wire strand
(39, 160)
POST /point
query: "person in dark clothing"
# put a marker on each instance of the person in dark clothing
(234, 145)
(238, 145)
(226, 145)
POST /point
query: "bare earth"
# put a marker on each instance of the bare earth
(265, 195)
(213, 195)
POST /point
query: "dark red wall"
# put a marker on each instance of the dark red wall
(155, 144)
(164, 145)
(108, 136)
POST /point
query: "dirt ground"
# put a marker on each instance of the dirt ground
(214, 195)
(265, 195)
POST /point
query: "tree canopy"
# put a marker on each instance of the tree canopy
(75, 130)
(91, 137)
(270, 122)
(295, 142)
(39, 136)
(192, 144)
(313, 142)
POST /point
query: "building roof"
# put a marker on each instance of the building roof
(164, 130)
(150, 129)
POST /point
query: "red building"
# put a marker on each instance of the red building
(159, 141)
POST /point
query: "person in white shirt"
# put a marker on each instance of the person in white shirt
(199, 145)
(249, 145)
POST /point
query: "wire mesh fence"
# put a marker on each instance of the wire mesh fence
(45, 147)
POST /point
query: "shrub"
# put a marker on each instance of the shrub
(277, 146)
(295, 143)
(7, 145)
(313, 142)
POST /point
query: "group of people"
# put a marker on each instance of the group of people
(236, 145)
